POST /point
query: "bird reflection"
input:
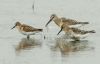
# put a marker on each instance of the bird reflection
(26, 44)
(68, 46)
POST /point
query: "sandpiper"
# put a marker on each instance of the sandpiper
(74, 32)
(26, 29)
(60, 21)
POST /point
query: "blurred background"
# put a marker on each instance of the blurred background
(16, 49)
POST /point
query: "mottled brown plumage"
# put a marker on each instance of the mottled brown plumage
(74, 31)
(78, 31)
(63, 20)
(72, 22)
(26, 29)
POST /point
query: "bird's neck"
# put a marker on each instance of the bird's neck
(66, 28)
(57, 20)
(19, 28)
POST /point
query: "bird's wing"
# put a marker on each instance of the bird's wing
(78, 31)
(28, 28)
(71, 21)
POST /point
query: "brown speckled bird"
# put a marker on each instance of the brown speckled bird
(59, 21)
(26, 29)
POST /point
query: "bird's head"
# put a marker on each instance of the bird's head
(51, 18)
(16, 24)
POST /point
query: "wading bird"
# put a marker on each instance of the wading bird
(74, 32)
(59, 21)
(26, 29)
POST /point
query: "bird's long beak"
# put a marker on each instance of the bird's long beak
(60, 30)
(49, 21)
(13, 27)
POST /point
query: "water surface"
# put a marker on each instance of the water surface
(16, 49)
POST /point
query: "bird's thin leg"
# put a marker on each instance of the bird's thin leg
(28, 37)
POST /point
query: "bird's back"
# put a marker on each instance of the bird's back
(28, 28)
(72, 22)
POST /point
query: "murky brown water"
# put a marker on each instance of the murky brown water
(16, 49)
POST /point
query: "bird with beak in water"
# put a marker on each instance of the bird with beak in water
(58, 21)
(75, 32)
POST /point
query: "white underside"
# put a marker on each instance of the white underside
(29, 33)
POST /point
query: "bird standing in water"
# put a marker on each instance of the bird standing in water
(26, 29)
(59, 21)
(74, 32)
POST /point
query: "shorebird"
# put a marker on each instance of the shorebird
(26, 29)
(74, 32)
(58, 21)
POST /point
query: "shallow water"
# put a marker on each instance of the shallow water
(16, 49)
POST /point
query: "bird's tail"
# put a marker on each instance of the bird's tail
(83, 22)
(92, 31)
(40, 29)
